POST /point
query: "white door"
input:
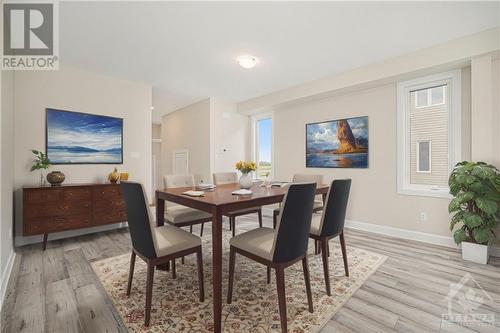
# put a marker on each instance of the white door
(181, 162)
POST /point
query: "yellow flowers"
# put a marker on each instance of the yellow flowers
(246, 166)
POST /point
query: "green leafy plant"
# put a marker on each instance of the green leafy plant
(476, 190)
(41, 161)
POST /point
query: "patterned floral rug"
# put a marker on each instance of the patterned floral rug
(176, 307)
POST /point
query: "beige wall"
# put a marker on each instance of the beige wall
(230, 133)
(188, 129)
(77, 90)
(156, 134)
(374, 198)
(7, 175)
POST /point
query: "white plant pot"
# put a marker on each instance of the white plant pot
(475, 252)
(246, 181)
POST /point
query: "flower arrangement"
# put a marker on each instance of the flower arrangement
(246, 166)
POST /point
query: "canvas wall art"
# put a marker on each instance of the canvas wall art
(341, 143)
(82, 138)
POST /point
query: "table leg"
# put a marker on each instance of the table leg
(217, 267)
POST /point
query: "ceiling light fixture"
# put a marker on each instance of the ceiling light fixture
(247, 61)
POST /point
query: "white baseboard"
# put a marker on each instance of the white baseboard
(410, 235)
(5, 277)
(21, 241)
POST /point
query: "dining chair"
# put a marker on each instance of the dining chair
(281, 247)
(231, 178)
(330, 224)
(155, 245)
(305, 178)
(182, 216)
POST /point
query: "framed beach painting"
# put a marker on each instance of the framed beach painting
(341, 143)
(82, 138)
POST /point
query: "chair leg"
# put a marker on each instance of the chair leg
(275, 217)
(233, 222)
(260, 218)
(280, 284)
(268, 275)
(328, 248)
(315, 247)
(305, 268)
(324, 254)
(182, 260)
(232, 261)
(344, 253)
(131, 272)
(230, 225)
(201, 230)
(173, 269)
(149, 293)
(201, 284)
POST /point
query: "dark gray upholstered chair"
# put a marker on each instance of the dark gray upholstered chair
(330, 224)
(282, 247)
(231, 178)
(155, 245)
(182, 216)
(305, 178)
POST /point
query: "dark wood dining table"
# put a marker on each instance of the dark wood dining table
(219, 201)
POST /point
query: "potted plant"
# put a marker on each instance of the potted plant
(246, 167)
(41, 163)
(475, 187)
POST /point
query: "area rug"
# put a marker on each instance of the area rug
(176, 308)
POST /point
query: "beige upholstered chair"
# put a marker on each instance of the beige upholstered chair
(182, 216)
(231, 178)
(282, 247)
(155, 245)
(305, 178)
(330, 224)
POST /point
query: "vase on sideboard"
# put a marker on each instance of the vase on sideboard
(55, 178)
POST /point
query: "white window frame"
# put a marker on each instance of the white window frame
(255, 140)
(453, 81)
(418, 156)
(429, 98)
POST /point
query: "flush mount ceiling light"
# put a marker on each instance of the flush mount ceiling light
(247, 61)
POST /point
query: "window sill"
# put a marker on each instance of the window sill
(440, 193)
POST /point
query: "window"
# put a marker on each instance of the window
(263, 145)
(430, 96)
(424, 156)
(428, 133)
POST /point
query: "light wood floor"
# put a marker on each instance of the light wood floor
(57, 290)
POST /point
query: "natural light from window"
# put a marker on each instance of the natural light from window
(264, 147)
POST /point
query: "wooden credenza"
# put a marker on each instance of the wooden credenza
(68, 207)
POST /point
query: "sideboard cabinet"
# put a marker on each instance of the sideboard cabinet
(67, 207)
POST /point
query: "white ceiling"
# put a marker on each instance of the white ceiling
(187, 50)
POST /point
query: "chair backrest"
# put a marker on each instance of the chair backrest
(139, 219)
(173, 181)
(333, 217)
(222, 178)
(306, 178)
(294, 222)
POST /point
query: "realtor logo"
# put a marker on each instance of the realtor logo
(30, 36)
(466, 301)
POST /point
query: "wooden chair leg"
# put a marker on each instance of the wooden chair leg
(149, 293)
(344, 253)
(328, 248)
(230, 225)
(191, 229)
(233, 222)
(182, 260)
(280, 284)
(324, 254)
(232, 261)
(315, 247)
(131, 272)
(305, 268)
(268, 275)
(260, 218)
(173, 269)
(201, 230)
(275, 217)
(201, 284)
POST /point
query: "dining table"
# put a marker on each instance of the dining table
(219, 201)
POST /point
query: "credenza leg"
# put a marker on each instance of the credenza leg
(45, 236)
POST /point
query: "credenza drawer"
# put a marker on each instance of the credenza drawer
(107, 193)
(114, 216)
(43, 196)
(109, 205)
(54, 224)
(78, 194)
(57, 209)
